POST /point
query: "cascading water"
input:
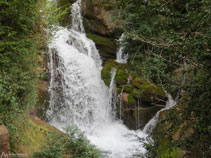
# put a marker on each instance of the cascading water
(78, 96)
(153, 122)
(120, 56)
(112, 97)
(120, 103)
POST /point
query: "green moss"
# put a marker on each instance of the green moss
(31, 135)
(121, 77)
(137, 82)
(106, 46)
(106, 72)
(166, 152)
(152, 93)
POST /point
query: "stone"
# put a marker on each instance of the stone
(4, 142)
(98, 18)
(137, 118)
(125, 97)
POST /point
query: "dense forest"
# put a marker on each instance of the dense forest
(168, 42)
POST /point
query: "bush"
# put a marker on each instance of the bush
(74, 144)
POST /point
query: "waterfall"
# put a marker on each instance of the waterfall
(120, 56)
(77, 23)
(153, 122)
(112, 97)
(78, 96)
(138, 116)
(120, 103)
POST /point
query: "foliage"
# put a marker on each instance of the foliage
(74, 144)
(22, 40)
(169, 42)
(56, 13)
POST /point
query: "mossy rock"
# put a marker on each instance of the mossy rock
(107, 46)
(148, 92)
(106, 72)
(121, 77)
(137, 82)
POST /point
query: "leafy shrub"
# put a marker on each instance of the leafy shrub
(74, 144)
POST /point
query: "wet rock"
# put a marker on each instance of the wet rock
(107, 46)
(4, 142)
(137, 118)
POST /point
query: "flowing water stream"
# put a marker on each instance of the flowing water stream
(153, 122)
(121, 57)
(78, 96)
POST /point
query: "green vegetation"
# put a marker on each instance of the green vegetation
(72, 145)
(22, 41)
(121, 76)
(24, 81)
(65, 11)
(169, 43)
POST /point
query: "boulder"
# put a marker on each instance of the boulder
(138, 117)
(98, 17)
(4, 142)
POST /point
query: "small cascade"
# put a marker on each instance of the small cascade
(153, 122)
(120, 56)
(77, 22)
(112, 98)
(120, 103)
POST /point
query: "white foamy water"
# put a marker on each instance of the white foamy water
(78, 96)
(121, 57)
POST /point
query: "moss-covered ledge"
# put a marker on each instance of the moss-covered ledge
(107, 46)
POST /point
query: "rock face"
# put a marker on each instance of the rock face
(4, 142)
(98, 17)
(101, 27)
(107, 46)
(98, 23)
